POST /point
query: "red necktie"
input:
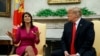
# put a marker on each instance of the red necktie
(72, 49)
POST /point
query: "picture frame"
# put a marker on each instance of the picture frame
(63, 1)
(5, 8)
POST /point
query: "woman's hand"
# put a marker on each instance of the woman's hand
(10, 34)
(36, 33)
(37, 40)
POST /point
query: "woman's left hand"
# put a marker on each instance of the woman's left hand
(36, 33)
(37, 40)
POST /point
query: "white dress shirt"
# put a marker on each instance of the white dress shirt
(77, 22)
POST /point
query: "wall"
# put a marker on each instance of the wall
(33, 6)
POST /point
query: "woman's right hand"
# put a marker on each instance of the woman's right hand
(9, 34)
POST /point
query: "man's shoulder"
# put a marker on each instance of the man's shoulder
(86, 22)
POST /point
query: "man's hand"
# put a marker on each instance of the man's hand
(66, 53)
(77, 54)
(73, 55)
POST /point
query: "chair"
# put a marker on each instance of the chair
(97, 36)
(42, 45)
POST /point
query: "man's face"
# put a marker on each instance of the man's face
(72, 15)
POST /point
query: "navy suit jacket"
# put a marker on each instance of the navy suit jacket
(84, 37)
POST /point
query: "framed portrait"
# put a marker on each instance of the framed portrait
(5, 8)
(63, 1)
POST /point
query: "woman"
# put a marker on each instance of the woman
(27, 35)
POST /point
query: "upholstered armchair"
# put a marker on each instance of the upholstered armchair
(97, 36)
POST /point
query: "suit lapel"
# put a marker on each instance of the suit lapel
(80, 25)
(70, 27)
(70, 31)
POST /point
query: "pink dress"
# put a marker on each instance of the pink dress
(27, 39)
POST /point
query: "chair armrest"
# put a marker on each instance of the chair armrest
(44, 49)
(13, 49)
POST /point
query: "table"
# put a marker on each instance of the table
(5, 45)
(5, 40)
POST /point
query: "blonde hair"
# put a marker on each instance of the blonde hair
(77, 10)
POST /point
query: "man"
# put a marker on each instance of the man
(78, 36)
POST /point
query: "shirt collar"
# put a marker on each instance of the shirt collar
(77, 22)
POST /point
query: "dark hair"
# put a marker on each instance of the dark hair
(23, 22)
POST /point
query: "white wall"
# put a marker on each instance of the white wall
(5, 24)
(33, 6)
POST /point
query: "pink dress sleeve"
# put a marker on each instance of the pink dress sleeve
(37, 40)
(17, 37)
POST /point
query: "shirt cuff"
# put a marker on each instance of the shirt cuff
(77, 54)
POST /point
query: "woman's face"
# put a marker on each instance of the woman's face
(27, 18)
